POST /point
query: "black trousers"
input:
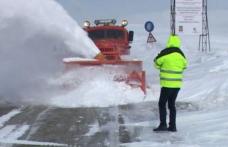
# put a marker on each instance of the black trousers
(168, 95)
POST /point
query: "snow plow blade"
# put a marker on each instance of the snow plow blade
(133, 73)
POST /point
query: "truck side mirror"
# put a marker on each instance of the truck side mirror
(130, 35)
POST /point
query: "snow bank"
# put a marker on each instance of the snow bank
(94, 86)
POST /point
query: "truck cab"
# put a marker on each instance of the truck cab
(112, 40)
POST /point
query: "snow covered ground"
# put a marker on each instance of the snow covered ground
(205, 85)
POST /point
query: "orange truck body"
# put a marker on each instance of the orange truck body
(113, 41)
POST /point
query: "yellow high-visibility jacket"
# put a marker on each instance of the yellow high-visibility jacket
(171, 62)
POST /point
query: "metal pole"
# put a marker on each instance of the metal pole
(173, 15)
(208, 32)
(204, 39)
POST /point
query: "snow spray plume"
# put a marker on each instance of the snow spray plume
(34, 37)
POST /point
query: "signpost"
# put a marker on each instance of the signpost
(149, 27)
(189, 17)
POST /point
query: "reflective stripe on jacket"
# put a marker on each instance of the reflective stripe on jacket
(171, 62)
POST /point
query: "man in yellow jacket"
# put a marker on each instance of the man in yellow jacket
(171, 62)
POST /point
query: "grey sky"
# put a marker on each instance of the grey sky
(93, 9)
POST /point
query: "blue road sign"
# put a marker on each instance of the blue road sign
(149, 26)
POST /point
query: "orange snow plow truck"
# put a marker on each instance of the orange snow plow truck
(113, 42)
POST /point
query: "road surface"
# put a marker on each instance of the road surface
(80, 127)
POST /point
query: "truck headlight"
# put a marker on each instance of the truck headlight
(124, 23)
(86, 23)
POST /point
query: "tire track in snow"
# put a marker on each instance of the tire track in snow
(37, 123)
(6, 130)
(8, 116)
(17, 132)
(13, 132)
(10, 134)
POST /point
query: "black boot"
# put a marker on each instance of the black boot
(161, 127)
(172, 128)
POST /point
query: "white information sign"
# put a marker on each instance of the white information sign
(189, 17)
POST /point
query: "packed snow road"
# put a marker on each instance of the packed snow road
(84, 127)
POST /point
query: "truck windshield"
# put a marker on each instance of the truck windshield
(106, 34)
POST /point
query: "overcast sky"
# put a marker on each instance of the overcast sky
(93, 9)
